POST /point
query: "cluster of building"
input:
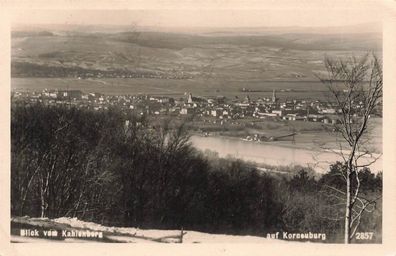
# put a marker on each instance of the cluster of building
(216, 107)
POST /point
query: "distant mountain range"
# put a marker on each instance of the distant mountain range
(352, 29)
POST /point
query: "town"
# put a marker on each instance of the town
(218, 111)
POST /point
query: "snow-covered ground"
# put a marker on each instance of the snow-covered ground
(122, 234)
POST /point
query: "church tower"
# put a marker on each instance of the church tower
(274, 99)
(190, 99)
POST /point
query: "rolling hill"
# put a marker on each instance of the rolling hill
(229, 55)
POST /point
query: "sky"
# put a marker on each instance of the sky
(271, 14)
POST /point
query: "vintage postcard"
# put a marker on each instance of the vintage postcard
(200, 125)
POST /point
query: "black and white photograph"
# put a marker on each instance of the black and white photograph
(197, 126)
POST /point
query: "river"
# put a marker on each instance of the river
(273, 154)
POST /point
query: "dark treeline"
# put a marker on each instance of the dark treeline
(118, 169)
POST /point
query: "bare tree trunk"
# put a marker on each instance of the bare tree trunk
(347, 209)
(42, 205)
(182, 233)
(44, 195)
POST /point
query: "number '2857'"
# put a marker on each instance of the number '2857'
(364, 235)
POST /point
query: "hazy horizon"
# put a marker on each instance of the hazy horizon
(364, 17)
(363, 28)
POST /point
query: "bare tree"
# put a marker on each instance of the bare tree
(355, 85)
